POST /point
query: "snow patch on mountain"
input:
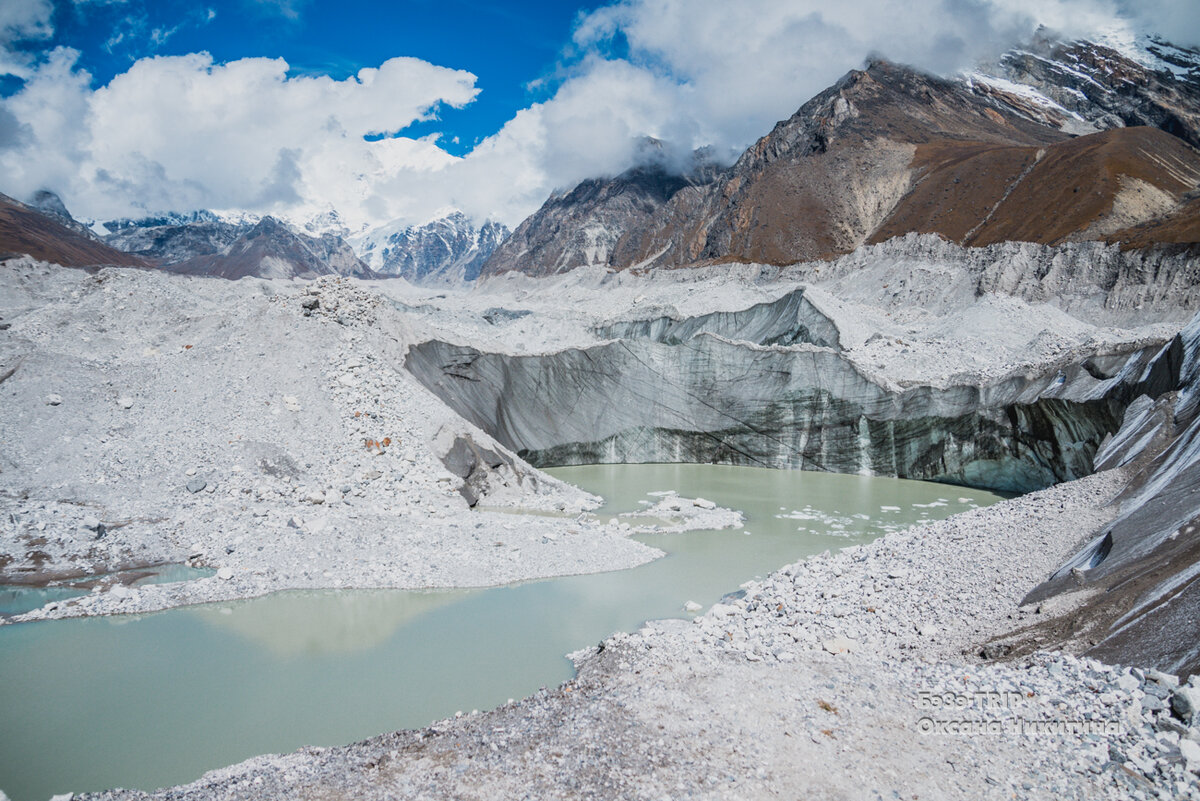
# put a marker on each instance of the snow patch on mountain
(1152, 51)
(1115, 80)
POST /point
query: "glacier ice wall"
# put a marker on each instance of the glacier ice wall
(678, 391)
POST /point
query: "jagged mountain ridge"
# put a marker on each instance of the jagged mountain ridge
(1110, 89)
(888, 150)
(270, 249)
(51, 204)
(175, 242)
(598, 218)
(447, 250)
(595, 220)
(234, 246)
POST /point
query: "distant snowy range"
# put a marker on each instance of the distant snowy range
(448, 249)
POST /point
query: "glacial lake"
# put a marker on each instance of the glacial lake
(154, 700)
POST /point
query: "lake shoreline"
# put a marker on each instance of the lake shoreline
(748, 697)
(394, 659)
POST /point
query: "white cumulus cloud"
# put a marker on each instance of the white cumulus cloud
(22, 20)
(182, 132)
(746, 65)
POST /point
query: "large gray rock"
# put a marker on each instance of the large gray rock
(474, 463)
(1142, 568)
(791, 320)
(1185, 703)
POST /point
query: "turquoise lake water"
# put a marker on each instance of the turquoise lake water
(155, 700)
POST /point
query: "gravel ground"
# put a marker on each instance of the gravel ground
(931, 591)
(241, 427)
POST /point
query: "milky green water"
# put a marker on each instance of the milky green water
(156, 700)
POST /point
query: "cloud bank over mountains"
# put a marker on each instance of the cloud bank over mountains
(184, 132)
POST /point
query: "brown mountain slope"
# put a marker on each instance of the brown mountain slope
(1081, 189)
(818, 185)
(24, 230)
(823, 181)
(957, 185)
(884, 152)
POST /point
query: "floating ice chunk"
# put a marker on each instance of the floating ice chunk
(797, 516)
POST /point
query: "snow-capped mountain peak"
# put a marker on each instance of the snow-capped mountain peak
(1118, 80)
(446, 250)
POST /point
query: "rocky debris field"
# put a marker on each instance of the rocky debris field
(260, 429)
(935, 591)
(913, 311)
(162, 419)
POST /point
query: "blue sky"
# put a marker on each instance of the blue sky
(395, 113)
(515, 48)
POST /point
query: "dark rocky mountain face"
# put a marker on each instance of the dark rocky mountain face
(272, 250)
(44, 235)
(171, 243)
(1111, 90)
(447, 250)
(202, 243)
(889, 150)
(51, 204)
(337, 255)
(599, 221)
